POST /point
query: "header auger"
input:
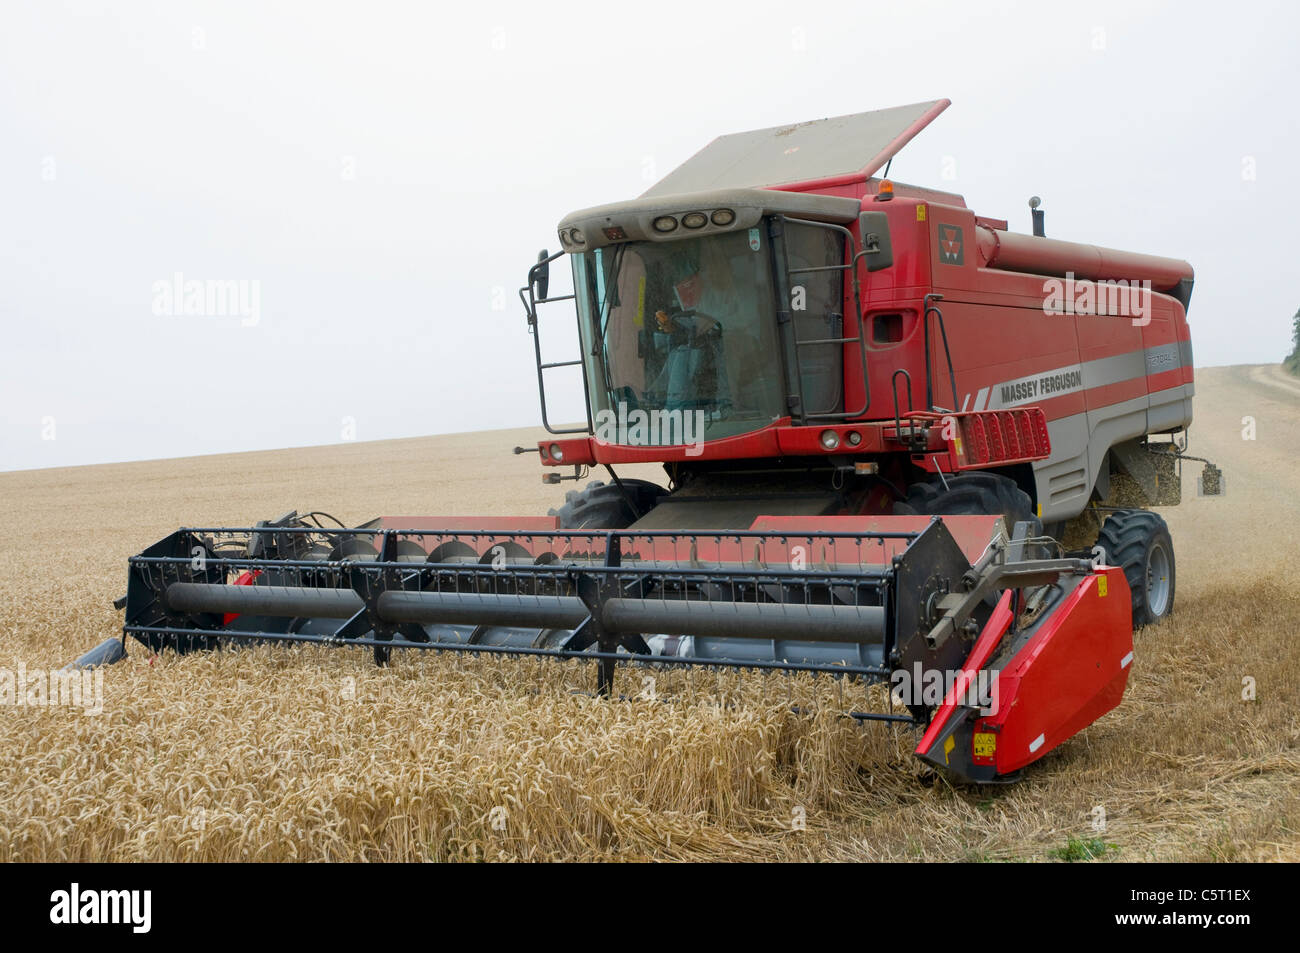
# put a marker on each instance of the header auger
(893, 454)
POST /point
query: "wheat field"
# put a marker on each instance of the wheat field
(297, 754)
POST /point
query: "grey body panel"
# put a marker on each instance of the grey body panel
(1170, 409)
(1080, 443)
(858, 143)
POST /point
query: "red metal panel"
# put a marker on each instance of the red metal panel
(1069, 675)
(1168, 380)
(971, 533)
(807, 441)
(1166, 326)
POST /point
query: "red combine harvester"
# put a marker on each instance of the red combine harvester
(900, 442)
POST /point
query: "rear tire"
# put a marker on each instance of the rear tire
(972, 494)
(1138, 542)
(601, 505)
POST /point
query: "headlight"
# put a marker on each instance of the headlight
(855, 438)
(695, 220)
(723, 216)
(830, 439)
(664, 224)
(556, 453)
(577, 237)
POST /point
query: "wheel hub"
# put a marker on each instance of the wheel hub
(1158, 580)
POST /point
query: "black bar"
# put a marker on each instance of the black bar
(829, 341)
(808, 271)
(481, 608)
(748, 620)
(283, 601)
(874, 671)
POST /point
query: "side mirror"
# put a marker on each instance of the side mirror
(541, 275)
(876, 246)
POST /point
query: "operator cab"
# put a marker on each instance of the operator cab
(727, 306)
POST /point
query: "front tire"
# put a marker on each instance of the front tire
(974, 493)
(601, 505)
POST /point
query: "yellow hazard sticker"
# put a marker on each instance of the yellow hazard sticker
(948, 745)
(986, 742)
(1101, 586)
(957, 443)
(920, 213)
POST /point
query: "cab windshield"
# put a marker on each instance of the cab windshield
(685, 326)
(688, 327)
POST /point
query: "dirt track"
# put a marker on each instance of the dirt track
(253, 755)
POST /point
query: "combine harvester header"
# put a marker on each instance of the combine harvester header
(867, 475)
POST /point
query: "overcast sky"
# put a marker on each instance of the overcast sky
(385, 173)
